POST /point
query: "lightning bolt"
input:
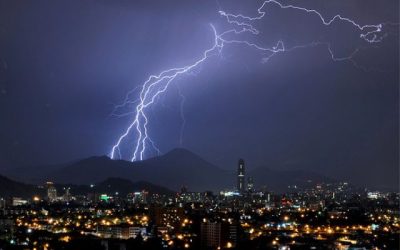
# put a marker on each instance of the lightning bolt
(153, 87)
(369, 36)
(157, 85)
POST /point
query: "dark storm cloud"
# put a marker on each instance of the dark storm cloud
(64, 64)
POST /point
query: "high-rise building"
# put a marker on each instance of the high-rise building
(210, 233)
(67, 195)
(250, 185)
(51, 192)
(241, 177)
(16, 201)
(217, 235)
(139, 197)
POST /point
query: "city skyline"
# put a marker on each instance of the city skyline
(108, 215)
(294, 110)
(204, 125)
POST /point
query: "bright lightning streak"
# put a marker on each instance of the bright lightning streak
(156, 85)
(153, 87)
(375, 28)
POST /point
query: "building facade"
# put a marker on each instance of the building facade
(241, 177)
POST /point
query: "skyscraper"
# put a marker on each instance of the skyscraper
(210, 234)
(241, 177)
(51, 192)
(250, 185)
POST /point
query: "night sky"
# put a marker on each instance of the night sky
(64, 65)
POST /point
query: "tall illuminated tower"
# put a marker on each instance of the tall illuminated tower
(241, 177)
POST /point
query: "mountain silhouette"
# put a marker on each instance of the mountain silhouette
(175, 169)
(116, 186)
(11, 188)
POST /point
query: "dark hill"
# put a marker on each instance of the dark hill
(123, 187)
(172, 170)
(112, 186)
(10, 188)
